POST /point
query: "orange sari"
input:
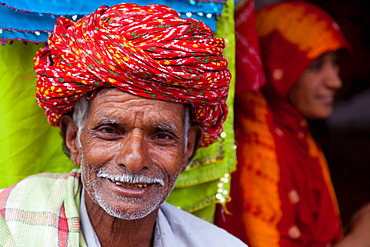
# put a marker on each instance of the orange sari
(282, 193)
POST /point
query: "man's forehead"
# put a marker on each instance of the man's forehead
(115, 95)
(151, 122)
(113, 106)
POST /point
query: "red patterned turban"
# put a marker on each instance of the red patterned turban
(147, 51)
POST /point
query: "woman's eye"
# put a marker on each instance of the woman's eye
(334, 61)
(316, 65)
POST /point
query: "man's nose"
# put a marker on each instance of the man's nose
(133, 153)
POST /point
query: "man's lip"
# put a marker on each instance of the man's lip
(129, 190)
(131, 185)
(131, 179)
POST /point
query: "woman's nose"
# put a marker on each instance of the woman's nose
(332, 79)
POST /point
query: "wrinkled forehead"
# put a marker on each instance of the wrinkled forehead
(115, 105)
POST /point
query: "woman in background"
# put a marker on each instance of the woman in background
(282, 193)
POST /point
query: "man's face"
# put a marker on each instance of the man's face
(313, 93)
(132, 151)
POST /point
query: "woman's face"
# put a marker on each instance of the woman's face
(313, 93)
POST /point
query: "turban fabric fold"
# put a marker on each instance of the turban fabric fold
(147, 51)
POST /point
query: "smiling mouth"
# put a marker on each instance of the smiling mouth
(130, 185)
(328, 99)
(131, 181)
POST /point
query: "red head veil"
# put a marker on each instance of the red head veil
(292, 35)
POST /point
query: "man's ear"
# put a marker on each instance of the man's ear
(69, 133)
(195, 135)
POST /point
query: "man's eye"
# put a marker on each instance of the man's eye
(108, 130)
(163, 136)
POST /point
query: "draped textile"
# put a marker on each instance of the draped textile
(249, 66)
(281, 193)
(32, 21)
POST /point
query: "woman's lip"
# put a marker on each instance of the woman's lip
(328, 99)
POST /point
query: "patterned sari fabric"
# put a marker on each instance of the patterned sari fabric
(282, 193)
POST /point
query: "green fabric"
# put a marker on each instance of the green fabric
(28, 145)
(204, 182)
(42, 210)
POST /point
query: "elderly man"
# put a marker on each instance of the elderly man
(135, 91)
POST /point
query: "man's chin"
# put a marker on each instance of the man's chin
(133, 209)
(128, 215)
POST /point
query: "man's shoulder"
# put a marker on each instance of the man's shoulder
(36, 189)
(194, 231)
(39, 209)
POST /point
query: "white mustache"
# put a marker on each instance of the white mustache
(131, 178)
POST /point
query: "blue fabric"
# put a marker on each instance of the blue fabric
(34, 27)
(32, 20)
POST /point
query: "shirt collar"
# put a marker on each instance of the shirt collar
(87, 229)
